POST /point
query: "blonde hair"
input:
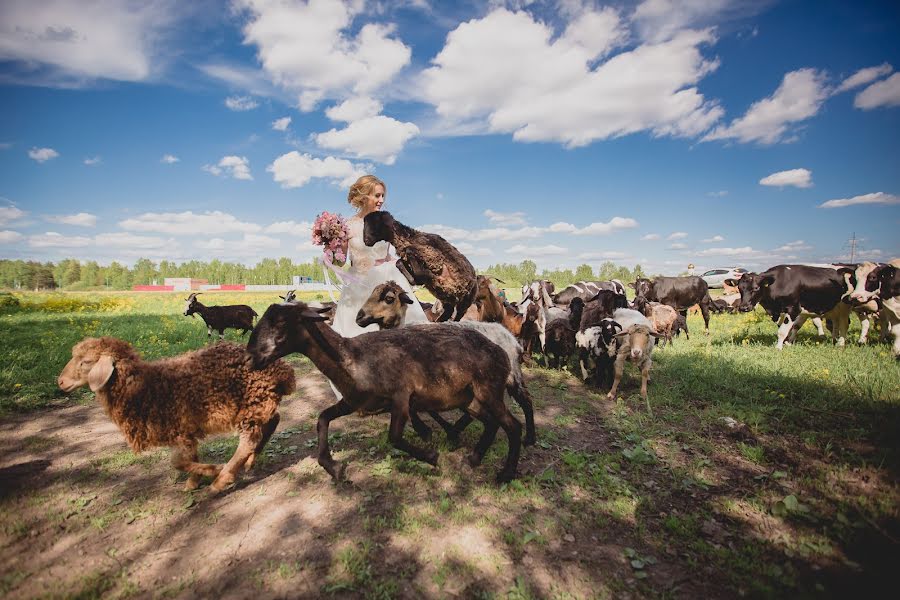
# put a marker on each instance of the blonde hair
(364, 186)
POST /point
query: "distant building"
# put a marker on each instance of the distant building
(183, 284)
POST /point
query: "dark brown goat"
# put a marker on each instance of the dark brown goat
(600, 307)
(427, 259)
(220, 318)
(560, 340)
(435, 367)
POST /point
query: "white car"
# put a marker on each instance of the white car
(715, 278)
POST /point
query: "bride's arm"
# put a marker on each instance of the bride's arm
(387, 256)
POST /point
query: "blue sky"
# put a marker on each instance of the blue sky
(662, 132)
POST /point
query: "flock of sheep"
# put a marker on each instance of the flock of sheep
(467, 363)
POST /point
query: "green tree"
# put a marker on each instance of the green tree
(584, 272)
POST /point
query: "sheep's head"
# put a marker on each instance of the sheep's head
(190, 305)
(93, 363)
(640, 338)
(386, 306)
(283, 328)
(377, 226)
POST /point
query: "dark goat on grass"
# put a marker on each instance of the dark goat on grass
(434, 367)
(600, 307)
(427, 259)
(560, 344)
(220, 318)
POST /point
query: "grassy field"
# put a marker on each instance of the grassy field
(754, 472)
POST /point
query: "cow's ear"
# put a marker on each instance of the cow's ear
(766, 280)
(845, 271)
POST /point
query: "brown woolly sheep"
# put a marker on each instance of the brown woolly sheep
(635, 344)
(662, 317)
(428, 260)
(177, 401)
(432, 367)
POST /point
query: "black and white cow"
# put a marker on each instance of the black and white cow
(791, 294)
(880, 283)
(678, 292)
(587, 290)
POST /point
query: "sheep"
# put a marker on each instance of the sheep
(662, 317)
(598, 344)
(387, 307)
(220, 318)
(177, 401)
(431, 367)
(635, 343)
(679, 326)
(427, 259)
(560, 341)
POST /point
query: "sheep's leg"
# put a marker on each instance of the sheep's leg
(267, 431)
(520, 394)
(184, 458)
(246, 445)
(399, 415)
(451, 429)
(340, 409)
(484, 442)
(448, 311)
(513, 431)
(619, 368)
(422, 430)
(193, 480)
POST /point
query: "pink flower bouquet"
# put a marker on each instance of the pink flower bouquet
(330, 230)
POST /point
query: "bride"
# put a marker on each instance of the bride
(369, 265)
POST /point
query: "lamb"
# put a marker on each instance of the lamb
(598, 344)
(679, 326)
(560, 340)
(220, 318)
(387, 307)
(636, 342)
(177, 401)
(428, 260)
(432, 367)
(662, 317)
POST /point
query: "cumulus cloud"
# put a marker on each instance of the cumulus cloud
(354, 109)
(470, 250)
(8, 214)
(10, 237)
(129, 240)
(611, 255)
(650, 237)
(614, 224)
(742, 251)
(237, 167)
(301, 229)
(281, 124)
(793, 246)
(240, 103)
(169, 159)
(75, 41)
(507, 234)
(513, 218)
(42, 155)
(93, 161)
(883, 93)
(508, 73)
(801, 178)
(188, 223)
(81, 219)
(293, 170)
(677, 235)
(248, 245)
(309, 48)
(658, 20)
(715, 238)
(864, 76)
(379, 138)
(523, 250)
(767, 121)
(677, 246)
(874, 198)
(51, 239)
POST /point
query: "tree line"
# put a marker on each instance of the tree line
(72, 274)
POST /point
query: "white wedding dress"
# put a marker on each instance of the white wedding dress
(362, 278)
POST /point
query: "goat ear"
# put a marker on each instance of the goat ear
(311, 314)
(101, 372)
(321, 309)
(498, 280)
(405, 299)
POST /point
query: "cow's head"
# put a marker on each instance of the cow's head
(642, 287)
(865, 281)
(752, 287)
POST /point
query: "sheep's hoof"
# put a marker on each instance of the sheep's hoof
(221, 482)
(610, 397)
(475, 459)
(431, 458)
(250, 462)
(530, 440)
(504, 477)
(337, 471)
(191, 484)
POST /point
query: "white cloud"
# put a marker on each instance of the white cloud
(864, 76)
(234, 166)
(354, 109)
(308, 48)
(51, 239)
(677, 246)
(658, 20)
(523, 250)
(210, 244)
(529, 232)
(10, 237)
(801, 178)
(42, 154)
(611, 255)
(882, 93)
(469, 250)
(614, 224)
(281, 124)
(379, 138)
(677, 235)
(294, 170)
(513, 218)
(715, 238)
(719, 194)
(240, 103)
(301, 229)
(798, 98)
(169, 159)
(249, 245)
(131, 241)
(650, 237)
(81, 219)
(743, 251)
(84, 40)
(793, 246)
(8, 214)
(93, 161)
(188, 223)
(507, 73)
(874, 198)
